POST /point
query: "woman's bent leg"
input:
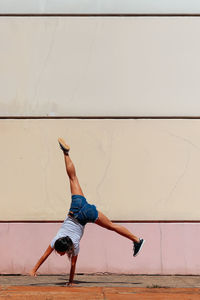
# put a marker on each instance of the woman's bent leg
(103, 221)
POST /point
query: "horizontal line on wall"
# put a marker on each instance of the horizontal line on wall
(99, 15)
(97, 117)
(114, 221)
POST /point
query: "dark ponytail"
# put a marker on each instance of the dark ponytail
(64, 244)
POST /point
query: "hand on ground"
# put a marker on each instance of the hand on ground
(70, 284)
(32, 273)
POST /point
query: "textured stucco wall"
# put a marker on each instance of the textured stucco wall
(131, 169)
(169, 249)
(99, 66)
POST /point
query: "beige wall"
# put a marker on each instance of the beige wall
(101, 66)
(131, 169)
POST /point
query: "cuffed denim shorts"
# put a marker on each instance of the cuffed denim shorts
(82, 211)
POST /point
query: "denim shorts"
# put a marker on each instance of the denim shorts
(82, 211)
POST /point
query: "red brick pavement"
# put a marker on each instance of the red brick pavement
(97, 293)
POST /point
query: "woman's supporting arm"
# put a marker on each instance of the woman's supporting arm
(48, 251)
(72, 270)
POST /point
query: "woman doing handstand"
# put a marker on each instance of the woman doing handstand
(81, 212)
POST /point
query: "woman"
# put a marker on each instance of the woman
(81, 212)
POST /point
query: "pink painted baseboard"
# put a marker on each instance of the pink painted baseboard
(170, 248)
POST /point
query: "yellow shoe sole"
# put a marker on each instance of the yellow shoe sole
(63, 145)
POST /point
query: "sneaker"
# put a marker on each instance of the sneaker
(137, 247)
(64, 147)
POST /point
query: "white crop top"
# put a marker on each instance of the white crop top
(72, 229)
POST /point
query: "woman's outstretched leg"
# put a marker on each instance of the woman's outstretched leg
(70, 169)
(103, 221)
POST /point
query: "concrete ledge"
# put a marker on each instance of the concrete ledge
(104, 280)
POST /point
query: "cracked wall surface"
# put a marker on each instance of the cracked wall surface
(130, 169)
(167, 249)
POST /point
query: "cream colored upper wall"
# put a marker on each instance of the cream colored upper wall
(99, 6)
(99, 66)
(131, 169)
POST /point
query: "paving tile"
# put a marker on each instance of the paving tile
(97, 293)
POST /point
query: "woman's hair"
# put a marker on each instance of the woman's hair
(64, 244)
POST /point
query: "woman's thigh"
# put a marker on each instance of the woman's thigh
(103, 221)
